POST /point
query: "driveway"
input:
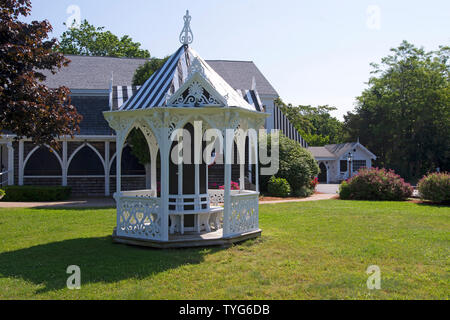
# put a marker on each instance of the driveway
(328, 188)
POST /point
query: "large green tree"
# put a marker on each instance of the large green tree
(89, 40)
(28, 108)
(404, 114)
(316, 124)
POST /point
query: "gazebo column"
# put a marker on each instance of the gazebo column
(228, 142)
(153, 164)
(119, 146)
(164, 149)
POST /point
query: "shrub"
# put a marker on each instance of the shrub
(2, 193)
(234, 186)
(296, 164)
(279, 187)
(375, 184)
(435, 187)
(36, 193)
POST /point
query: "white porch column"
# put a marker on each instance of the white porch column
(256, 166)
(228, 142)
(107, 164)
(119, 146)
(10, 163)
(64, 160)
(21, 168)
(164, 149)
(154, 159)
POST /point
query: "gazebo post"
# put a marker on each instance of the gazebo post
(228, 142)
(119, 147)
(164, 208)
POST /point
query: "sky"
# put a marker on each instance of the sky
(312, 52)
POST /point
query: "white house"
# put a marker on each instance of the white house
(336, 160)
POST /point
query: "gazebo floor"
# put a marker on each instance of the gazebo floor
(190, 240)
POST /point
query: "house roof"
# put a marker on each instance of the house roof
(94, 73)
(242, 75)
(321, 152)
(174, 76)
(336, 151)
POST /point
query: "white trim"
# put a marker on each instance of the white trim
(42, 177)
(374, 157)
(86, 144)
(33, 151)
(10, 147)
(21, 163)
(107, 172)
(65, 166)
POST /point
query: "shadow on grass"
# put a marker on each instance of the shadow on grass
(100, 260)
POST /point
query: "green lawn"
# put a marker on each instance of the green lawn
(309, 250)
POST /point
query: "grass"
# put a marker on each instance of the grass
(309, 250)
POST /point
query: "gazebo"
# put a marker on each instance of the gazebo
(189, 115)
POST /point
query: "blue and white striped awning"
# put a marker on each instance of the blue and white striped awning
(120, 94)
(282, 123)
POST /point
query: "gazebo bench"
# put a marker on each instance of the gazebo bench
(202, 219)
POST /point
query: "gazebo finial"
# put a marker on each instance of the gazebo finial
(186, 36)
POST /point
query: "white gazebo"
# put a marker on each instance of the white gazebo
(187, 100)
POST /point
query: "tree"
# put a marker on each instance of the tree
(404, 114)
(296, 164)
(144, 72)
(89, 40)
(27, 107)
(315, 124)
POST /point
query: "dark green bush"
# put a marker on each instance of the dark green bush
(36, 193)
(435, 187)
(279, 187)
(296, 164)
(375, 184)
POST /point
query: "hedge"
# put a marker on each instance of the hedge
(435, 187)
(375, 184)
(279, 187)
(36, 193)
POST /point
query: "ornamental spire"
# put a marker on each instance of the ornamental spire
(186, 36)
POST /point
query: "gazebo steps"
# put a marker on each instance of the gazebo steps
(190, 240)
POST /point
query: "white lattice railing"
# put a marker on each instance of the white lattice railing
(244, 215)
(138, 216)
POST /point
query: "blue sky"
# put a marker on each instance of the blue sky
(313, 52)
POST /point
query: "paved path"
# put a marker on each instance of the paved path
(328, 188)
(76, 203)
(110, 203)
(315, 197)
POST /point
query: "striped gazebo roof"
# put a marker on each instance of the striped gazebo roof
(157, 90)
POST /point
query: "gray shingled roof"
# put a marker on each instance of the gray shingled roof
(340, 149)
(321, 152)
(333, 150)
(240, 74)
(85, 72)
(94, 73)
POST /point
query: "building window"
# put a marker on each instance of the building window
(43, 162)
(344, 166)
(86, 163)
(358, 164)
